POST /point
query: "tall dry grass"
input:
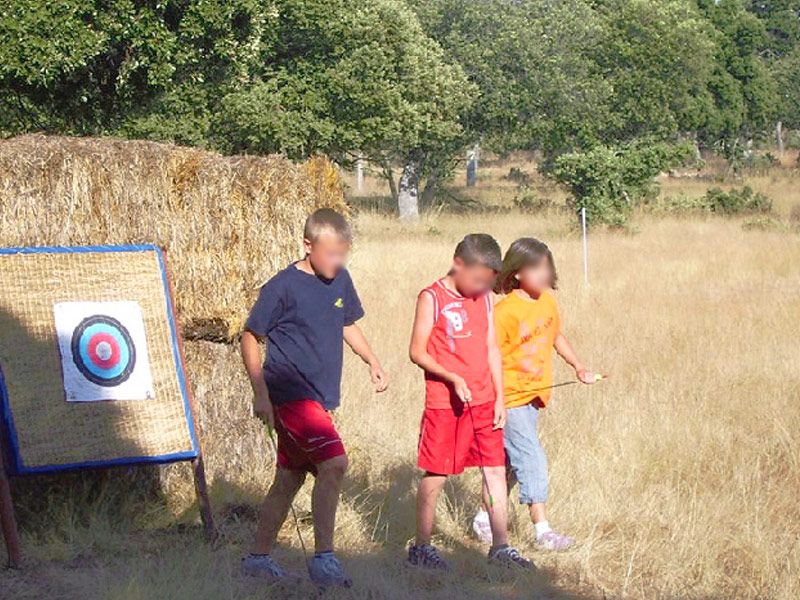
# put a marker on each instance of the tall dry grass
(679, 476)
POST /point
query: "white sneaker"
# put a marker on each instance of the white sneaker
(262, 565)
(481, 527)
(551, 540)
(325, 570)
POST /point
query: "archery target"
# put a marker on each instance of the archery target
(103, 350)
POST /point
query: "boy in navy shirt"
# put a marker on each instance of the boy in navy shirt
(304, 312)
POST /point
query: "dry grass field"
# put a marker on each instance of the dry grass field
(679, 476)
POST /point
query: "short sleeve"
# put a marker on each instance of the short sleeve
(353, 310)
(556, 314)
(268, 308)
(501, 326)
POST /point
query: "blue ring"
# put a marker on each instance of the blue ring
(124, 351)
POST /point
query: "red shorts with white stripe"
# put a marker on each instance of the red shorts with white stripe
(306, 435)
(452, 439)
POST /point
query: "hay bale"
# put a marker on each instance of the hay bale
(228, 223)
(235, 444)
(239, 459)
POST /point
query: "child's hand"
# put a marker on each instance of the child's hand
(262, 408)
(587, 377)
(499, 414)
(378, 377)
(461, 389)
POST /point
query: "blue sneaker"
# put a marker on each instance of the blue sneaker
(508, 556)
(326, 570)
(262, 565)
(427, 556)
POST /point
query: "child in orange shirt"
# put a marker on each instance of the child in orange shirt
(528, 328)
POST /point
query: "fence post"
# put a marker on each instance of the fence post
(585, 248)
(359, 173)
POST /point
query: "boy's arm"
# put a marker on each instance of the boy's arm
(359, 344)
(251, 355)
(565, 351)
(418, 349)
(496, 367)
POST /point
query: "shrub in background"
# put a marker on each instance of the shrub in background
(732, 202)
(528, 201)
(610, 181)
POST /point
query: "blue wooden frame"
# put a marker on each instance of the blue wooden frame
(7, 418)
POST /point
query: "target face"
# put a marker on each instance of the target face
(103, 351)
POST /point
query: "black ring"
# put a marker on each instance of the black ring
(76, 351)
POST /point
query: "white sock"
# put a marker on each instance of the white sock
(542, 527)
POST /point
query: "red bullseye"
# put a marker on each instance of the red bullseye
(103, 350)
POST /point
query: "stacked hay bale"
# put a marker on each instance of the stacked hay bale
(227, 223)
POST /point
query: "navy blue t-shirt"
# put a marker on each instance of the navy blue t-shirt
(303, 316)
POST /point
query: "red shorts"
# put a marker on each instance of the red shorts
(448, 442)
(306, 435)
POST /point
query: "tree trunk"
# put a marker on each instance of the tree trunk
(779, 136)
(429, 191)
(359, 173)
(408, 192)
(388, 175)
(473, 155)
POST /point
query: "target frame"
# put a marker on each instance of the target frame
(7, 421)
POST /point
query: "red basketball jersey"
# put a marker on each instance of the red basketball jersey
(458, 342)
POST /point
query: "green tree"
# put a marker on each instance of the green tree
(531, 63)
(657, 57)
(781, 19)
(145, 69)
(351, 78)
(743, 87)
(786, 71)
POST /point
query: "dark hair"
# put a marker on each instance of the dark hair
(524, 252)
(327, 218)
(480, 249)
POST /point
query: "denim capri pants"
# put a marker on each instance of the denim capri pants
(527, 462)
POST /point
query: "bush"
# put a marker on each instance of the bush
(716, 200)
(527, 200)
(735, 201)
(792, 140)
(761, 164)
(519, 176)
(794, 214)
(609, 181)
(680, 204)
(762, 223)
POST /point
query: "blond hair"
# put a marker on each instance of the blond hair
(327, 219)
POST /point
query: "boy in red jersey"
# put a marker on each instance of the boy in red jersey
(453, 341)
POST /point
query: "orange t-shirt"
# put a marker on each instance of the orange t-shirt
(526, 331)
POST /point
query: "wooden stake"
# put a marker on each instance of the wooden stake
(8, 520)
(201, 488)
(198, 468)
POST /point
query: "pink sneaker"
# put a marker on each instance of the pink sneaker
(554, 541)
